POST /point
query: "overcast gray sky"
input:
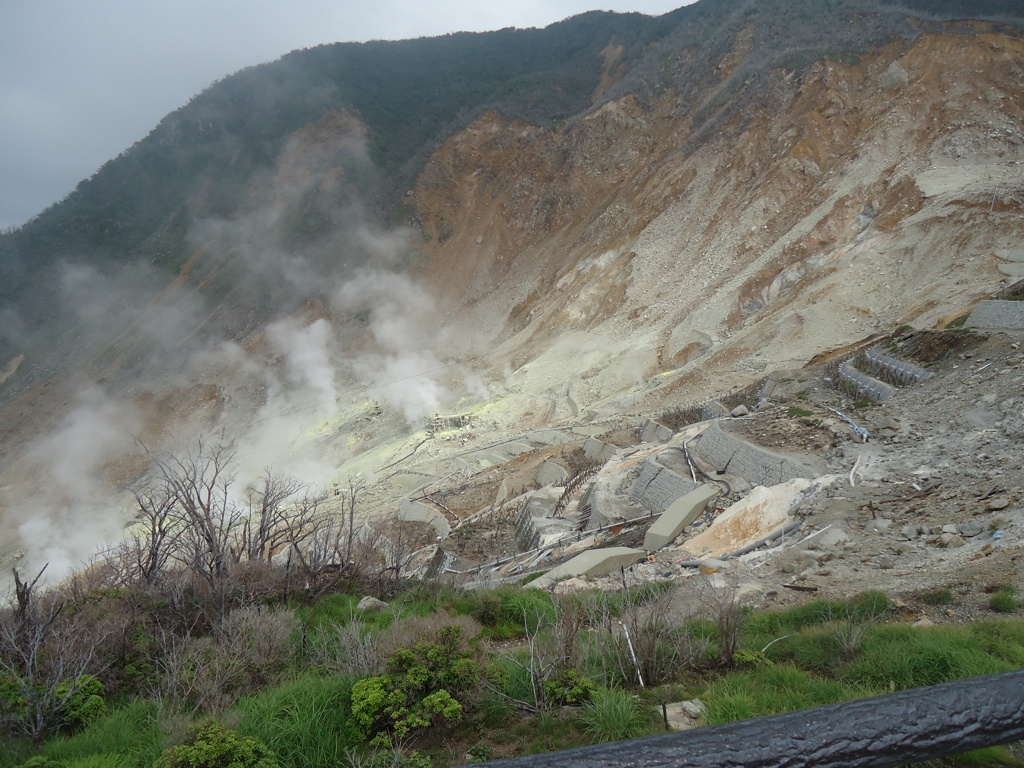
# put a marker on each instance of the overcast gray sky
(82, 80)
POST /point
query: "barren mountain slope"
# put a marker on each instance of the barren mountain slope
(874, 194)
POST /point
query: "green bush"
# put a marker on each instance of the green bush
(613, 714)
(1004, 600)
(85, 704)
(302, 721)
(569, 689)
(211, 745)
(422, 687)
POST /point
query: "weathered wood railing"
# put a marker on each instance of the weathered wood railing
(892, 730)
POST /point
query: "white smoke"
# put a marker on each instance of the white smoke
(63, 510)
(403, 368)
(279, 390)
(301, 395)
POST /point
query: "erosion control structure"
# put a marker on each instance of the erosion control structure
(897, 729)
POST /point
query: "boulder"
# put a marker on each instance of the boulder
(950, 540)
(970, 528)
(371, 605)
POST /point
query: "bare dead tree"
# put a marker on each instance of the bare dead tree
(349, 500)
(151, 543)
(270, 519)
(43, 659)
(321, 556)
(24, 590)
(200, 481)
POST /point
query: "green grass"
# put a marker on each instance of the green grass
(773, 624)
(128, 737)
(303, 721)
(1002, 639)
(771, 690)
(938, 597)
(1004, 600)
(985, 758)
(900, 657)
(814, 649)
(508, 611)
(614, 714)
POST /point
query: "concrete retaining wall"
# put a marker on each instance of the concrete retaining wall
(414, 512)
(866, 385)
(535, 525)
(904, 372)
(551, 473)
(658, 486)
(596, 450)
(655, 432)
(997, 314)
(753, 464)
(593, 562)
(681, 513)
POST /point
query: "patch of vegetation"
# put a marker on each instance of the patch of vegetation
(131, 733)
(303, 721)
(1004, 599)
(614, 715)
(798, 413)
(565, 678)
(938, 597)
(211, 745)
(422, 686)
(772, 690)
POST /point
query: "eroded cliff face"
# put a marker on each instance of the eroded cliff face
(865, 196)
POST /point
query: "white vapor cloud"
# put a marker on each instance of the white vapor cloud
(66, 511)
(403, 368)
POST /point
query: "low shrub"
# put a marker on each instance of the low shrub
(938, 597)
(211, 745)
(569, 689)
(422, 687)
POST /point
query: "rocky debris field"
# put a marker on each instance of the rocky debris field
(932, 500)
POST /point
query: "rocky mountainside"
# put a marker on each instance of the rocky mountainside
(336, 258)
